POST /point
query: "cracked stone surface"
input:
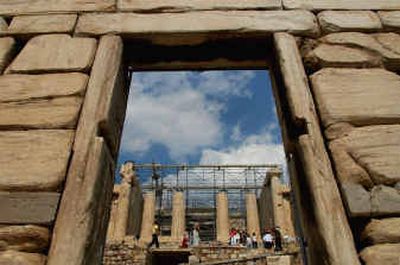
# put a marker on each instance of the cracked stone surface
(362, 21)
(379, 231)
(26, 238)
(388, 254)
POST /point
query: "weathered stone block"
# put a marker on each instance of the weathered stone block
(56, 113)
(368, 152)
(206, 23)
(341, 4)
(189, 5)
(28, 207)
(390, 19)
(385, 200)
(21, 258)
(380, 231)
(32, 87)
(357, 199)
(388, 254)
(326, 55)
(42, 24)
(54, 53)
(357, 96)
(391, 58)
(6, 48)
(26, 238)
(3, 25)
(56, 6)
(34, 160)
(336, 21)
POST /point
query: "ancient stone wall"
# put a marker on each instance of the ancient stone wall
(63, 95)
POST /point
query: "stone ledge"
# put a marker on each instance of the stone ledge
(197, 25)
(20, 7)
(40, 24)
(390, 20)
(342, 4)
(157, 6)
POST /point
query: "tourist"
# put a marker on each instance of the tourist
(249, 241)
(231, 236)
(236, 238)
(196, 235)
(254, 240)
(155, 234)
(185, 239)
(268, 239)
(278, 239)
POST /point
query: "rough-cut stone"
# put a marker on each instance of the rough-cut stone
(189, 5)
(3, 25)
(34, 160)
(390, 19)
(56, 113)
(28, 207)
(326, 55)
(391, 58)
(342, 4)
(357, 199)
(336, 21)
(56, 6)
(6, 49)
(388, 254)
(194, 24)
(385, 200)
(26, 238)
(21, 258)
(42, 24)
(389, 40)
(32, 87)
(368, 152)
(101, 85)
(338, 247)
(52, 53)
(379, 231)
(357, 96)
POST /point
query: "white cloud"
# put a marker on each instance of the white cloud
(180, 110)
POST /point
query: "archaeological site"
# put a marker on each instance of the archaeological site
(66, 69)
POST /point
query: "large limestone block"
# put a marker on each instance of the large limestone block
(28, 207)
(190, 23)
(369, 152)
(21, 258)
(54, 53)
(336, 21)
(380, 231)
(391, 57)
(388, 254)
(3, 25)
(54, 6)
(6, 48)
(357, 199)
(357, 96)
(342, 4)
(389, 40)
(32, 87)
(390, 19)
(326, 55)
(42, 24)
(34, 160)
(26, 238)
(189, 5)
(55, 113)
(385, 200)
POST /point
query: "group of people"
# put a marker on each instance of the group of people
(242, 238)
(272, 238)
(191, 237)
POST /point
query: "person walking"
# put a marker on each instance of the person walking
(155, 234)
(254, 240)
(278, 239)
(196, 235)
(268, 239)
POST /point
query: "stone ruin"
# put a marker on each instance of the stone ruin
(63, 91)
(133, 212)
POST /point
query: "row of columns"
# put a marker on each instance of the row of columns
(178, 216)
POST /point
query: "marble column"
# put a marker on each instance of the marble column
(148, 216)
(222, 217)
(178, 216)
(253, 221)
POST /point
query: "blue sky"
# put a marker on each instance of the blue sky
(207, 117)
